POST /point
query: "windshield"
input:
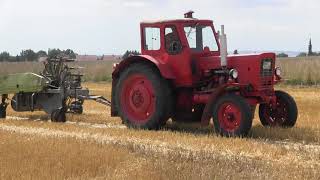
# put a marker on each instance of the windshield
(200, 37)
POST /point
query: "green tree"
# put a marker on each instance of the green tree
(42, 53)
(4, 56)
(282, 55)
(17, 59)
(53, 53)
(70, 53)
(303, 54)
(310, 52)
(28, 55)
(130, 53)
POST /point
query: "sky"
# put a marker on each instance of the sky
(112, 26)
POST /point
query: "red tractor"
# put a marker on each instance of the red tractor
(184, 73)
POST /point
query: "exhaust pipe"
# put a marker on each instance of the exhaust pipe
(223, 47)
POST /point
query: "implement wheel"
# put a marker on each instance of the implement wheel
(58, 115)
(232, 116)
(143, 97)
(284, 115)
(3, 111)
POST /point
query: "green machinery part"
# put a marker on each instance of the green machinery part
(21, 82)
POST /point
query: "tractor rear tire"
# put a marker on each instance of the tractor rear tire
(143, 97)
(59, 115)
(285, 115)
(232, 116)
(3, 112)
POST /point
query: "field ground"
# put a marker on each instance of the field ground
(93, 145)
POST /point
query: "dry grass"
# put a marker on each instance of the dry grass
(96, 146)
(48, 158)
(297, 71)
(301, 71)
(93, 71)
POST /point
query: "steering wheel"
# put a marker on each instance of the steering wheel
(175, 47)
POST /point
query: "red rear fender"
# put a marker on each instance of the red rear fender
(164, 69)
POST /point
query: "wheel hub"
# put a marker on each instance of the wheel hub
(137, 99)
(229, 116)
(277, 115)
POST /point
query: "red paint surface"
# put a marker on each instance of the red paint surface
(138, 98)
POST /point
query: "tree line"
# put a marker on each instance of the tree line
(30, 55)
(129, 53)
(303, 54)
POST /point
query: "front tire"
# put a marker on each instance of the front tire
(143, 97)
(284, 115)
(59, 115)
(232, 116)
(3, 111)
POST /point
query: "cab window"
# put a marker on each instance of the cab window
(200, 37)
(172, 41)
(152, 38)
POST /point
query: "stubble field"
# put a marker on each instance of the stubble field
(96, 146)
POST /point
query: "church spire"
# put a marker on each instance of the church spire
(310, 48)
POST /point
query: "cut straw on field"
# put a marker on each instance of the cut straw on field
(94, 145)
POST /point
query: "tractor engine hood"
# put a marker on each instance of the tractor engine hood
(249, 68)
(233, 61)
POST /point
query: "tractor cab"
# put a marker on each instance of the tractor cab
(179, 43)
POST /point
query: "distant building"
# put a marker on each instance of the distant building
(96, 58)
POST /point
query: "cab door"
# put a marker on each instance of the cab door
(178, 56)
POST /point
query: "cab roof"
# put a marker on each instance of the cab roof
(168, 21)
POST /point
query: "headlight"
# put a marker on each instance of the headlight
(278, 71)
(234, 73)
(115, 65)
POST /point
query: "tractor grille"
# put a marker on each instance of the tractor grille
(266, 74)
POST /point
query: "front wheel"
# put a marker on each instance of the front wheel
(232, 116)
(3, 111)
(283, 115)
(59, 115)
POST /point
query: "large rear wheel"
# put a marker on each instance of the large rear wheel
(283, 115)
(232, 116)
(143, 97)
